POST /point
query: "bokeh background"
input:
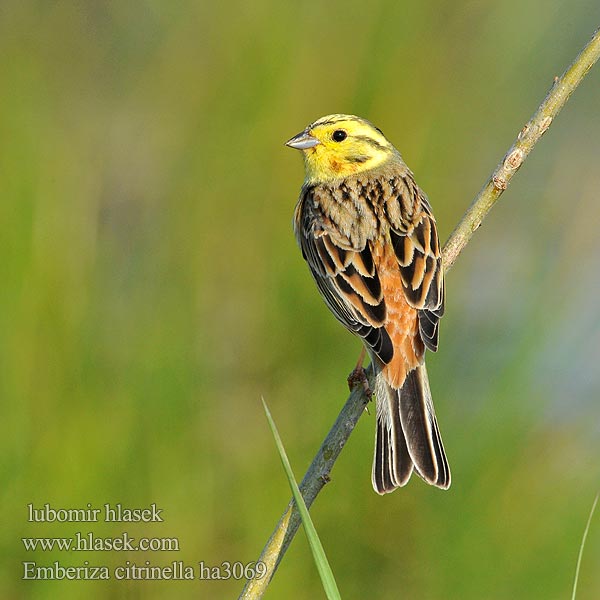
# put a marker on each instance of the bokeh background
(151, 291)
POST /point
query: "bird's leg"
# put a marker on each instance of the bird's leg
(358, 375)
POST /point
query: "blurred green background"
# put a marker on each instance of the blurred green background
(152, 292)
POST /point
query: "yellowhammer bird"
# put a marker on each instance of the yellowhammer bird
(369, 237)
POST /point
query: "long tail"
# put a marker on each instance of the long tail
(407, 435)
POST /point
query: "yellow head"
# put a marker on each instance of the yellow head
(337, 146)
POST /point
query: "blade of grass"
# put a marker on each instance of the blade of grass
(329, 583)
(587, 528)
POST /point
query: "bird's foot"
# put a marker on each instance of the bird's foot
(359, 377)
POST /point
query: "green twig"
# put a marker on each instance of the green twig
(315, 479)
(528, 137)
(316, 547)
(318, 472)
(582, 546)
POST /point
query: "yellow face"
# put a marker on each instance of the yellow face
(337, 146)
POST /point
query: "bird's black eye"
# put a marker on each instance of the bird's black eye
(339, 135)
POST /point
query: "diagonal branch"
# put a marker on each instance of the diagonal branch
(318, 473)
(528, 137)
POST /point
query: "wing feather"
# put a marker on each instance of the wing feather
(345, 275)
(341, 261)
(416, 245)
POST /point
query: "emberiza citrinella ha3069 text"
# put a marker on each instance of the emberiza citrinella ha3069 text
(369, 237)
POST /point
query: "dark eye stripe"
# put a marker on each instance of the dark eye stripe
(370, 141)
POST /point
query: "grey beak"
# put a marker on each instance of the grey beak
(302, 141)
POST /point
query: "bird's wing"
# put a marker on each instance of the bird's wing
(346, 277)
(416, 245)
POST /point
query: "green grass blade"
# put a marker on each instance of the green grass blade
(587, 528)
(329, 584)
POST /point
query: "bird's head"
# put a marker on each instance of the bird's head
(337, 146)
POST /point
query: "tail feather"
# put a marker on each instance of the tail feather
(407, 435)
(392, 464)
